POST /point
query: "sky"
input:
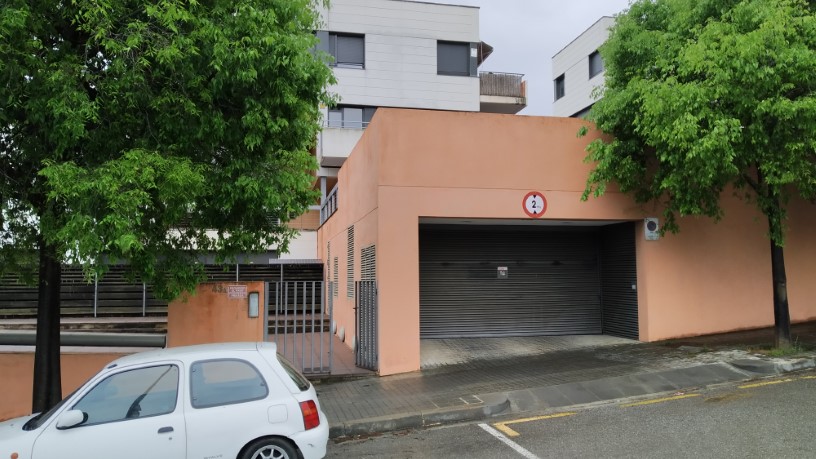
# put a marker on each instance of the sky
(526, 34)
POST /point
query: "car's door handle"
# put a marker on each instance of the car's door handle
(165, 429)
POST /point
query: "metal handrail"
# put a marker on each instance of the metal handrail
(329, 206)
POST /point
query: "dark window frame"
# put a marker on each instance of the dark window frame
(366, 115)
(596, 64)
(439, 58)
(355, 64)
(559, 87)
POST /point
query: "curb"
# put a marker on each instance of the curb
(579, 393)
(765, 367)
(492, 405)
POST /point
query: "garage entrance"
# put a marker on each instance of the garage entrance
(531, 280)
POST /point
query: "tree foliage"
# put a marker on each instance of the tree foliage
(703, 96)
(145, 132)
(148, 130)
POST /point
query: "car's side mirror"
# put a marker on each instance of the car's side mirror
(71, 418)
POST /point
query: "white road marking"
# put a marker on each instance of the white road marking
(508, 442)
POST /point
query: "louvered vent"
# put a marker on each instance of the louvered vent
(368, 263)
(350, 264)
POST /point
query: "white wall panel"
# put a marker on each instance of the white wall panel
(405, 18)
(573, 63)
(400, 71)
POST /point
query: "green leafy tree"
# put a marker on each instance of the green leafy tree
(147, 131)
(710, 96)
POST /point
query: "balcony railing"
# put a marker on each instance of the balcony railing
(502, 84)
(329, 206)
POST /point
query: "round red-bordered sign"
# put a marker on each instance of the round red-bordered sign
(534, 204)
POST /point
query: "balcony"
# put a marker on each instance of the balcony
(329, 206)
(502, 92)
(335, 144)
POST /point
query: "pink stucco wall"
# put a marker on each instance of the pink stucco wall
(17, 376)
(214, 315)
(413, 164)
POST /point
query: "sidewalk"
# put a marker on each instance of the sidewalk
(560, 377)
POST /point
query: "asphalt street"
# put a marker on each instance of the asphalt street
(762, 418)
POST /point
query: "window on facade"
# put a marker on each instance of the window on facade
(452, 58)
(559, 87)
(596, 64)
(225, 382)
(132, 394)
(346, 116)
(347, 50)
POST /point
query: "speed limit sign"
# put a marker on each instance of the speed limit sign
(534, 204)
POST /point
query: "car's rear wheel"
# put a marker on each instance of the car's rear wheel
(270, 448)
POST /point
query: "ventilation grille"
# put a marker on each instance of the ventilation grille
(335, 279)
(350, 264)
(368, 263)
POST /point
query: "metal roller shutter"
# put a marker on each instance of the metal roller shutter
(552, 287)
(618, 276)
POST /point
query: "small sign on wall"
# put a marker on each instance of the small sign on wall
(501, 272)
(534, 204)
(236, 292)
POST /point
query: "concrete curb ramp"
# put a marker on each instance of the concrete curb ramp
(492, 405)
(579, 393)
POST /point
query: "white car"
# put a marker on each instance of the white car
(213, 401)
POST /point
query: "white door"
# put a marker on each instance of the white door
(134, 413)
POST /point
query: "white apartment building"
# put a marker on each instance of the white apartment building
(397, 53)
(577, 69)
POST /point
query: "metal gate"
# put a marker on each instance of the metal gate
(619, 280)
(298, 322)
(496, 281)
(365, 302)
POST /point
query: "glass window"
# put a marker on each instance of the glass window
(596, 64)
(452, 58)
(335, 118)
(559, 87)
(347, 50)
(297, 378)
(132, 394)
(344, 116)
(225, 382)
(353, 117)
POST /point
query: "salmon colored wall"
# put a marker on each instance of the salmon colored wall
(800, 260)
(479, 166)
(309, 221)
(17, 377)
(359, 203)
(712, 278)
(210, 316)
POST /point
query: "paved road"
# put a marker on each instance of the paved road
(765, 418)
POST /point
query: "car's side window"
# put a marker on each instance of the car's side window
(131, 394)
(224, 382)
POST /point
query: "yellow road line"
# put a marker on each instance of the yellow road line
(502, 426)
(808, 377)
(766, 383)
(659, 400)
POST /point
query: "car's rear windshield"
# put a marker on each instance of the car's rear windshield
(297, 378)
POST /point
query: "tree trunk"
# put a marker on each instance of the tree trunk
(782, 331)
(47, 374)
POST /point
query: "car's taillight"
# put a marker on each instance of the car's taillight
(311, 418)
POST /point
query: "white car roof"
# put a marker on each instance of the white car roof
(196, 352)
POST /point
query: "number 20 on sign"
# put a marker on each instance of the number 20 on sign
(534, 204)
